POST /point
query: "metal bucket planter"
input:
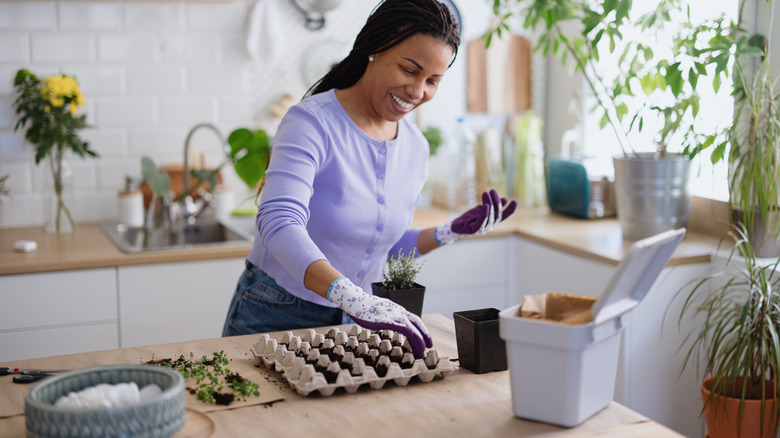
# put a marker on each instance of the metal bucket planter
(651, 194)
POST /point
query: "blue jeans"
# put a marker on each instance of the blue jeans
(260, 305)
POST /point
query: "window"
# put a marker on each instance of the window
(716, 110)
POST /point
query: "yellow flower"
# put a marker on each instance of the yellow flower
(61, 89)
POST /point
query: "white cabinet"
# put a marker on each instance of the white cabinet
(173, 302)
(57, 313)
(540, 269)
(469, 274)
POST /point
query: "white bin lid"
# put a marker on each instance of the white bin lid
(635, 275)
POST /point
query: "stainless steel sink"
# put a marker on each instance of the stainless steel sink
(197, 235)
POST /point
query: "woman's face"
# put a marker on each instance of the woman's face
(405, 76)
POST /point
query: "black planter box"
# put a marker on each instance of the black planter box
(411, 299)
(480, 348)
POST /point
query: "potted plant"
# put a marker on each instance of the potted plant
(399, 283)
(47, 109)
(651, 87)
(754, 160)
(248, 151)
(735, 342)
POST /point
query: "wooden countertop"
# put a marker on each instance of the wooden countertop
(462, 404)
(88, 247)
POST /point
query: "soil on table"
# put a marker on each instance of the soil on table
(182, 362)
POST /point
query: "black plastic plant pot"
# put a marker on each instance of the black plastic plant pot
(480, 348)
(411, 299)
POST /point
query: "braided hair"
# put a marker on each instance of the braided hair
(390, 23)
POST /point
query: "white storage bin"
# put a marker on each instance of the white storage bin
(563, 374)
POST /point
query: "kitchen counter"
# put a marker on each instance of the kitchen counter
(462, 404)
(88, 247)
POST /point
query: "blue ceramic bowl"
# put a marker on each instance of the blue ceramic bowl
(161, 416)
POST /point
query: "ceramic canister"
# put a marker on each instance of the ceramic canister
(131, 208)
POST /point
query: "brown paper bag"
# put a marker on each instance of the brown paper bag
(557, 307)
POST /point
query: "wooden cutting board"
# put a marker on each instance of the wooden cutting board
(498, 78)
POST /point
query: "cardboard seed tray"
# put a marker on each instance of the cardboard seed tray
(324, 362)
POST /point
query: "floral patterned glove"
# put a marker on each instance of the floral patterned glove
(477, 221)
(377, 313)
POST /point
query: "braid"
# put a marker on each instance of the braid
(390, 23)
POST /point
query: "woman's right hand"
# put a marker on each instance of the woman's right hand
(377, 313)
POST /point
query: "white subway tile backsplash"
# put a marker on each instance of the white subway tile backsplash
(95, 79)
(22, 210)
(126, 47)
(7, 114)
(111, 173)
(84, 174)
(233, 48)
(80, 16)
(13, 47)
(155, 79)
(62, 47)
(157, 142)
(7, 75)
(13, 146)
(174, 47)
(237, 110)
(27, 15)
(108, 143)
(95, 206)
(125, 111)
(203, 47)
(218, 79)
(210, 16)
(154, 16)
(19, 177)
(186, 110)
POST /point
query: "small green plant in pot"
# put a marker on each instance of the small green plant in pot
(399, 283)
(736, 342)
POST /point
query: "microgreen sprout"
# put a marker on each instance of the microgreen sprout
(212, 377)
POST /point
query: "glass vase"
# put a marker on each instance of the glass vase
(59, 197)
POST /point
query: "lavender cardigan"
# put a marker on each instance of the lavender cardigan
(334, 193)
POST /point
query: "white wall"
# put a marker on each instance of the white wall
(151, 71)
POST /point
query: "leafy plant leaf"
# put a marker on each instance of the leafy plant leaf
(158, 180)
(249, 151)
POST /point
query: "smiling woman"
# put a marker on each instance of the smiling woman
(344, 178)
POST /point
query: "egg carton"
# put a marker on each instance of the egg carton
(325, 362)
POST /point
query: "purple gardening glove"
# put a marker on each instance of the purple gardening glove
(377, 313)
(477, 221)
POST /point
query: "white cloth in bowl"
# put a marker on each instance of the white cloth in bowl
(108, 396)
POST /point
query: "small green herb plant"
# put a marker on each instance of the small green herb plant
(400, 272)
(207, 372)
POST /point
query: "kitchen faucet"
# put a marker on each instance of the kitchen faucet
(192, 209)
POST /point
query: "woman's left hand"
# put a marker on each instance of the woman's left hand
(479, 220)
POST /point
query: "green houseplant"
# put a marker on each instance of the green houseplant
(652, 87)
(736, 342)
(47, 109)
(248, 151)
(754, 159)
(399, 283)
